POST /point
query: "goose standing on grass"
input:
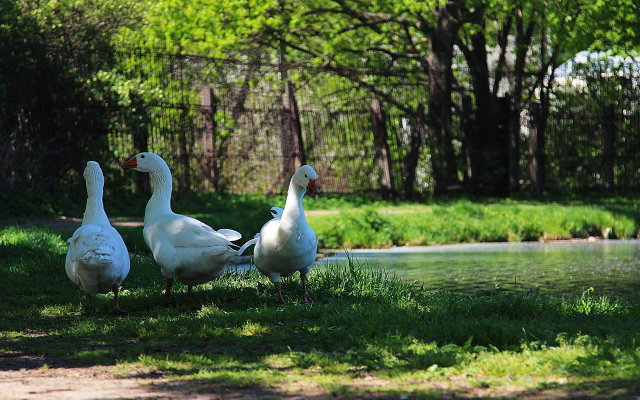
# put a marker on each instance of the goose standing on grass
(186, 249)
(97, 259)
(286, 243)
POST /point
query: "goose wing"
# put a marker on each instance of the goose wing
(189, 232)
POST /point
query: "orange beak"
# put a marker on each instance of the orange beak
(312, 188)
(132, 163)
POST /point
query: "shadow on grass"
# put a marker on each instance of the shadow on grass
(597, 388)
(235, 324)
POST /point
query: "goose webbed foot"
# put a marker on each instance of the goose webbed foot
(116, 306)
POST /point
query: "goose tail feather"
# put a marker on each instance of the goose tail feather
(247, 244)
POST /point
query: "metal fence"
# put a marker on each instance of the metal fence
(593, 138)
(145, 100)
(245, 108)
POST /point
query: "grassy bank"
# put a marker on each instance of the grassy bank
(466, 221)
(367, 222)
(367, 332)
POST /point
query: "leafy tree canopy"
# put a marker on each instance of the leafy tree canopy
(204, 27)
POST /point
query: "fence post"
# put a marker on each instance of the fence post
(412, 158)
(141, 144)
(293, 156)
(381, 146)
(536, 148)
(208, 108)
(608, 152)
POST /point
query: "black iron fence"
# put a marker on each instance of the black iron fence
(219, 125)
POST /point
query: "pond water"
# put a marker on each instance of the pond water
(610, 267)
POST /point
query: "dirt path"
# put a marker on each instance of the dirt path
(76, 384)
(118, 382)
(68, 223)
(115, 382)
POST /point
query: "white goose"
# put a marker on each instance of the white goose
(97, 259)
(287, 243)
(186, 249)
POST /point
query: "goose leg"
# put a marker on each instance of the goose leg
(306, 298)
(116, 306)
(89, 299)
(189, 291)
(167, 291)
(279, 289)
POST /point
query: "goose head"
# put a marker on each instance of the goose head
(145, 162)
(306, 178)
(94, 178)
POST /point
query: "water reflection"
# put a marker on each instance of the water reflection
(610, 267)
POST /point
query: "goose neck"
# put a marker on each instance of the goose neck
(293, 210)
(160, 202)
(94, 211)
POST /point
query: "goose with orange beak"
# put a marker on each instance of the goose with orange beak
(186, 249)
(286, 243)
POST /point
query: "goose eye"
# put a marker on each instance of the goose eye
(142, 156)
(305, 175)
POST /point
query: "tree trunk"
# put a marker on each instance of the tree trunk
(439, 61)
(208, 107)
(412, 158)
(523, 37)
(608, 153)
(293, 156)
(489, 146)
(381, 145)
(536, 148)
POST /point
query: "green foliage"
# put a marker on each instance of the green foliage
(59, 48)
(611, 25)
(203, 27)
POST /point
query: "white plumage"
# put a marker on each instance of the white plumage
(186, 249)
(286, 243)
(97, 259)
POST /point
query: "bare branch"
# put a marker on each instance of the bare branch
(371, 24)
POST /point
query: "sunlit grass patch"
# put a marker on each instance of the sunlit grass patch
(252, 329)
(466, 221)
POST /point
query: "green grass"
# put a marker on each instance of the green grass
(466, 221)
(354, 221)
(363, 323)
